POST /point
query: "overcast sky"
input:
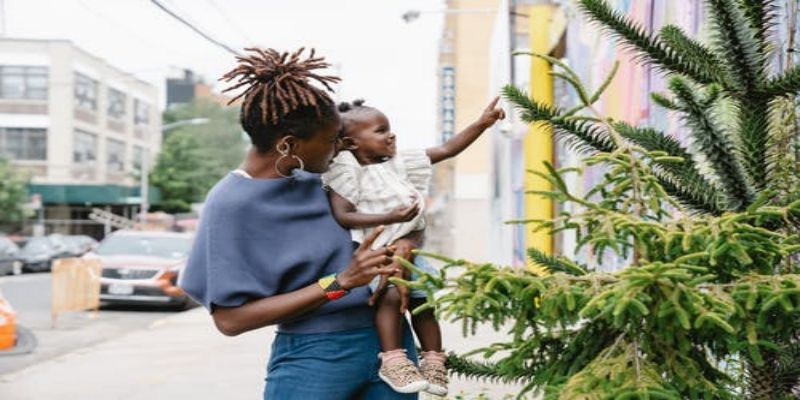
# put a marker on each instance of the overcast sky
(381, 58)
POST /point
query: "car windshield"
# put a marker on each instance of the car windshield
(38, 244)
(168, 247)
(7, 246)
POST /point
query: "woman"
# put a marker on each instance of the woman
(268, 250)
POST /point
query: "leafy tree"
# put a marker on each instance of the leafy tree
(194, 157)
(13, 194)
(708, 302)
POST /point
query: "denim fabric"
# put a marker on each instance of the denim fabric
(330, 366)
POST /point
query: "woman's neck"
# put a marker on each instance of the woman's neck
(260, 165)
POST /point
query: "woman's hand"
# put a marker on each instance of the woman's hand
(402, 248)
(367, 264)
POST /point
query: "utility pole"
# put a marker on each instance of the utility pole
(2, 18)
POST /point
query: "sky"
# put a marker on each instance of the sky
(381, 58)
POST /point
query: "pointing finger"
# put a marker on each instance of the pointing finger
(493, 103)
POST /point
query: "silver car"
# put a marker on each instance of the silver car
(9, 257)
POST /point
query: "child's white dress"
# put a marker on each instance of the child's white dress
(379, 189)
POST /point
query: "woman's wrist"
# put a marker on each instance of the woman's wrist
(344, 282)
(332, 287)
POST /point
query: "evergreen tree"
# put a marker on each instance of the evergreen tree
(708, 304)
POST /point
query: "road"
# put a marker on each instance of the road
(29, 294)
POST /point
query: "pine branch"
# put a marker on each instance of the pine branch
(753, 126)
(691, 50)
(483, 370)
(740, 49)
(649, 49)
(787, 83)
(579, 135)
(715, 145)
(681, 180)
(761, 14)
(787, 368)
(556, 263)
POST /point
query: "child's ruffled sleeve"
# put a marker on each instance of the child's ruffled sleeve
(342, 177)
(418, 169)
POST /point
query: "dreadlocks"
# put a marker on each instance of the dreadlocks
(279, 98)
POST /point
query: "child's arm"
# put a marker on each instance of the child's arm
(346, 214)
(463, 139)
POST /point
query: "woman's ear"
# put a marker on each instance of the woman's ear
(287, 143)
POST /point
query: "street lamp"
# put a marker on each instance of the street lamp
(144, 179)
(412, 15)
(185, 122)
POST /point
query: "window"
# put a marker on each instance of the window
(84, 152)
(85, 92)
(116, 103)
(23, 143)
(21, 82)
(138, 157)
(141, 114)
(115, 159)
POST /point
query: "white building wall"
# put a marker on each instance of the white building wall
(64, 60)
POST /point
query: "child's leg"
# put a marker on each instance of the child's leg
(426, 327)
(388, 321)
(433, 359)
(396, 369)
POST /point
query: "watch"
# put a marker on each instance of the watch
(333, 290)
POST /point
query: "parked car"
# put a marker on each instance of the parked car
(75, 245)
(9, 256)
(39, 252)
(142, 267)
(82, 243)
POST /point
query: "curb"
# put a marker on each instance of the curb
(26, 343)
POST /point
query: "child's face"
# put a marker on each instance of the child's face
(372, 136)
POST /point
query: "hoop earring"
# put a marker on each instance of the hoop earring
(284, 150)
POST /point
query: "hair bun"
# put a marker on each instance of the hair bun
(344, 107)
(279, 82)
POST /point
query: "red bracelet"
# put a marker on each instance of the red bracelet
(333, 290)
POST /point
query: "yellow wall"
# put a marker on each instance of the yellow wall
(538, 144)
(472, 36)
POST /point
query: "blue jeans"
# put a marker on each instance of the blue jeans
(330, 366)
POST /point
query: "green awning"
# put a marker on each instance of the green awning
(93, 194)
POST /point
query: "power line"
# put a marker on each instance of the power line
(194, 28)
(128, 31)
(230, 20)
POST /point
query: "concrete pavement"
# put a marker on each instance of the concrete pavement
(182, 357)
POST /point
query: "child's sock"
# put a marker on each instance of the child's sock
(434, 357)
(393, 356)
(434, 371)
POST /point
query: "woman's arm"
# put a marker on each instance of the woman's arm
(366, 264)
(466, 137)
(345, 213)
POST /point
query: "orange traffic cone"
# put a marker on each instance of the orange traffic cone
(8, 325)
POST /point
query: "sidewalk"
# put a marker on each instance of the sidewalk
(180, 357)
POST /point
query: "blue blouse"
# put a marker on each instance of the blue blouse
(262, 237)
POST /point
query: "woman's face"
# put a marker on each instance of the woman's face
(318, 151)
